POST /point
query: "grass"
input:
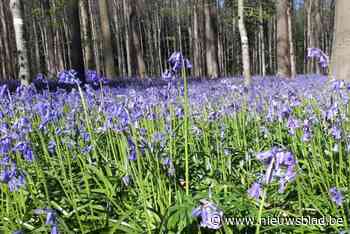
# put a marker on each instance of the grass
(211, 149)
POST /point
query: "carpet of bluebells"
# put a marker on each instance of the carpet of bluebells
(174, 157)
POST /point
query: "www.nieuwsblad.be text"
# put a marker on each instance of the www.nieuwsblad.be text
(268, 221)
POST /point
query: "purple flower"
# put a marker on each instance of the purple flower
(5, 145)
(169, 166)
(25, 150)
(255, 191)
(267, 155)
(336, 196)
(68, 77)
(288, 177)
(279, 164)
(336, 132)
(177, 62)
(307, 131)
(8, 173)
(209, 213)
(132, 150)
(54, 229)
(320, 55)
(12, 177)
(52, 146)
(18, 232)
(293, 124)
(51, 218)
(15, 183)
(126, 180)
(332, 112)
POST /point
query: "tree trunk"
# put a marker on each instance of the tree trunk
(107, 39)
(283, 50)
(317, 30)
(262, 40)
(291, 42)
(244, 42)
(196, 51)
(340, 68)
(211, 40)
(87, 45)
(22, 51)
(77, 57)
(127, 36)
(137, 63)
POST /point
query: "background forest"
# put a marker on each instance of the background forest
(135, 37)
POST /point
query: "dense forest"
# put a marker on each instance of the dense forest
(135, 37)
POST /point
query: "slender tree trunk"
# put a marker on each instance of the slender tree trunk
(9, 64)
(244, 43)
(196, 51)
(107, 39)
(283, 50)
(127, 36)
(86, 35)
(137, 40)
(291, 41)
(22, 51)
(262, 40)
(77, 57)
(95, 34)
(211, 40)
(317, 31)
(340, 68)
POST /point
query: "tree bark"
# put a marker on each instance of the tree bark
(262, 40)
(107, 39)
(86, 35)
(244, 42)
(196, 51)
(211, 40)
(22, 51)
(283, 50)
(77, 57)
(340, 68)
(291, 42)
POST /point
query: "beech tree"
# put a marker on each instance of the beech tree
(211, 44)
(107, 39)
(244, 42)
(340, 67)
(77, 57)
(283, 46)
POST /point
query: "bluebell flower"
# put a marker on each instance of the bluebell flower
(336, 132)
(336, 196)
(5, 145)
(132, 150)
(16, 182)
(26, 151)
(52, 146)
(51, 218)
(210, 215)
(68, 77)
(279, 164)
(11, 176)
(18, 232)
(255, 191)
(169, 166)
(126, 180)
(320, 55)
(293, 124)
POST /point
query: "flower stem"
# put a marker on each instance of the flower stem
(260, 212)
